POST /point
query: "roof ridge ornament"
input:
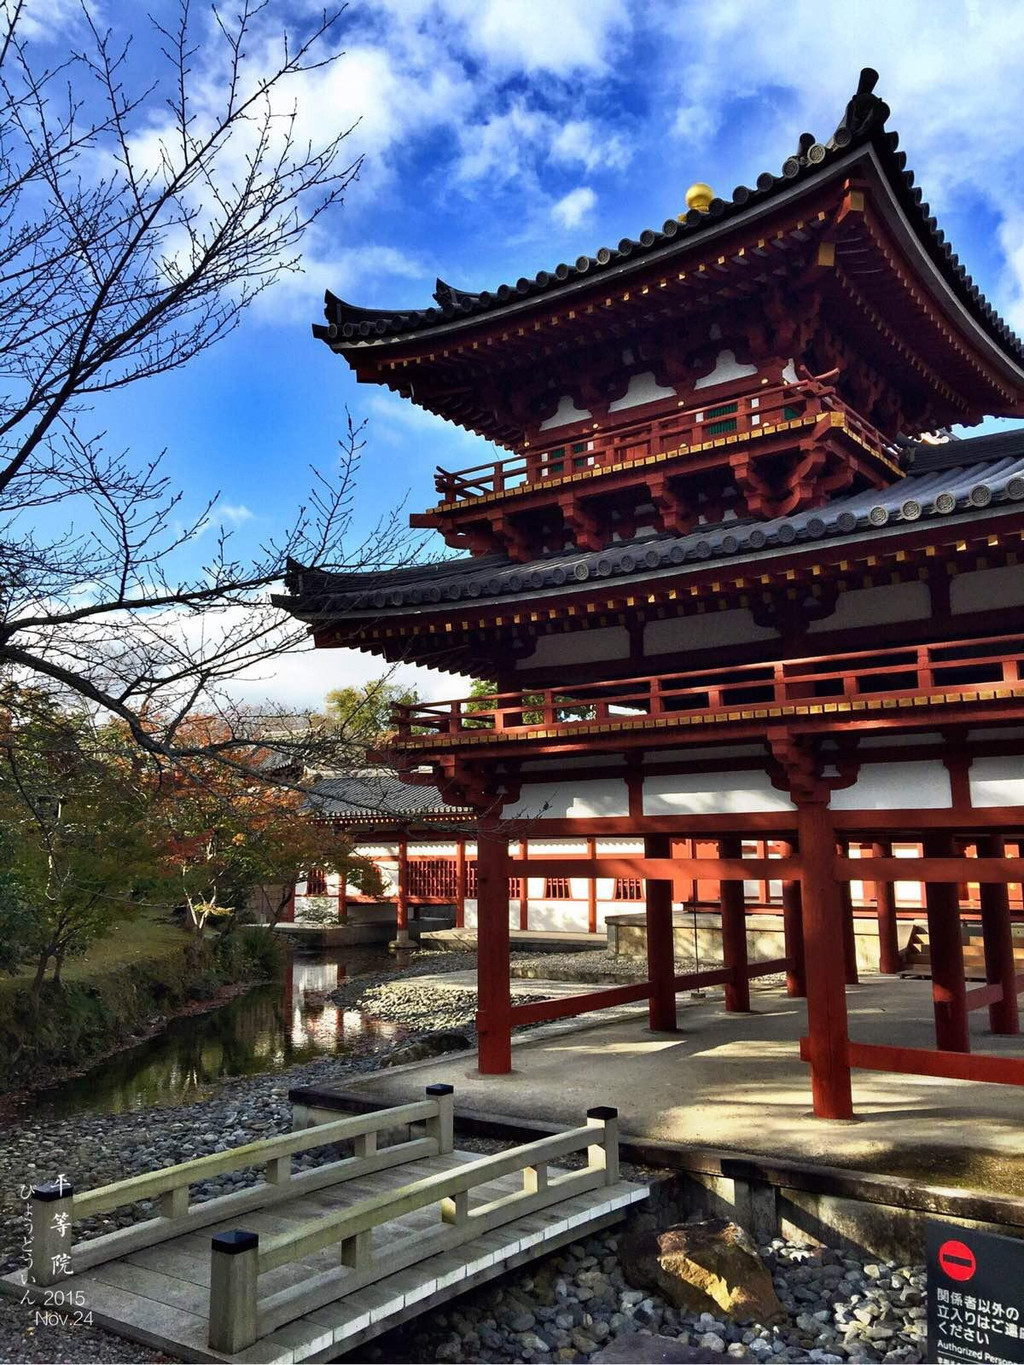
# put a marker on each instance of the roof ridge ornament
(866, 113)
(699, 196)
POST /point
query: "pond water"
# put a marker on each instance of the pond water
(267, 1028)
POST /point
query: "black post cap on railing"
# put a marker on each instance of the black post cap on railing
(234, 1242)
(53, 1189)
(440, 1089)
(602, 1111)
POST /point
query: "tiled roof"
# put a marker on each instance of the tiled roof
(379, 798)
(957, 483)
(862, 126)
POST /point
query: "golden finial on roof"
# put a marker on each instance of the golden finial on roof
(699, 196)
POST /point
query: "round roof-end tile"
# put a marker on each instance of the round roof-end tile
(757, 539)
(433, 594)
(453, 592)
(878, 516)
(493, 586)
(765, 181)
(846, 522)
(627, 562)
(583, 264)
(414, 596)
(378, 600)
(980, 495)
(559, 575)
(652, 558)
(1015, 488)
(604, 566)
(604, 255)
(677, 554)
(535, 578)
(816, 527)
(786, 533)
(473, 588)
(816, 154)
(581, 572)
(910, 510)
(514, 582)
(945, 503)
(703, 549)
(730, 544)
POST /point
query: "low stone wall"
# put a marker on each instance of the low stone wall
(698, 939)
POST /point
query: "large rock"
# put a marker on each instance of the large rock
(637, 1348)
(701, 1267)
(432, 1045)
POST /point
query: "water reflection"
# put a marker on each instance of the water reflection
(266, 1029)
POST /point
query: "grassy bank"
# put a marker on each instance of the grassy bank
(150, 967)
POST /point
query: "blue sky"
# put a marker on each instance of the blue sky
(502, 136)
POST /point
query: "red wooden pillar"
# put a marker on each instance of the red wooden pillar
(661, 966)
(342, 897)
(793, 932)
(592, 891)
(949, 991)
(826, 974)
(402, 898)
(524, 885)
(1000, 968)
(494, 1001)
(849, 927)
(460, 882)
(734, 930)
(885, 907)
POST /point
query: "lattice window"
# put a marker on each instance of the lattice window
(557, 889)
(515, 884)
(316, 882)
(628, 889)
(433, 878)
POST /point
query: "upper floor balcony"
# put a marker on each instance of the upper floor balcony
(901, 686)
(766, 453)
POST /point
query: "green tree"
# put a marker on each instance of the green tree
(361, 716)
(74, 811)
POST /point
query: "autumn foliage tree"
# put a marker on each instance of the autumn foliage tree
(225, 831)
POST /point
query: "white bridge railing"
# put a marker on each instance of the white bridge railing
(239, 1315)
(56, 1207)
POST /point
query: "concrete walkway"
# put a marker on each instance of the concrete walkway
(736, 1082)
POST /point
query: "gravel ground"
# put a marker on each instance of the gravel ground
(565, 1308)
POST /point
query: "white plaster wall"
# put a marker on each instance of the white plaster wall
(710, 630)
(570, 801)
(920, 785)
(997, 781)
(643, 388)
(876, 607)
(580, 647)
(712, 794)
(566, 413)
(727, 368)
(985, 589)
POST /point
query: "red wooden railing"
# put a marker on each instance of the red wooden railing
(635, 440)
(914, 671)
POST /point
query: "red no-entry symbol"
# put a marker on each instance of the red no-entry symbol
(957, 1260)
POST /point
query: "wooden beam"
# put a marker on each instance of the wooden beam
(945, 869)
(665, 869)
(922, 1061)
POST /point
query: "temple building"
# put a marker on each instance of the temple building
(732, 584)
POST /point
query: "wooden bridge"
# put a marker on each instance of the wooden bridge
(307, 1264)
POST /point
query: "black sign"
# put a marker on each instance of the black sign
(975, 1296)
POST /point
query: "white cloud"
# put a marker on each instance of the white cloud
(301, 679)
(503, 147)
(574, 207)
(235, 512)
(579, 141)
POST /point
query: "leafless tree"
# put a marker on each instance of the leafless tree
(125, 254)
